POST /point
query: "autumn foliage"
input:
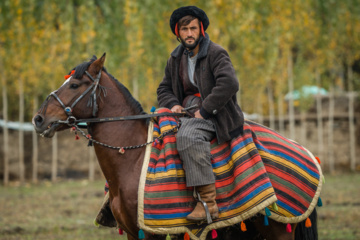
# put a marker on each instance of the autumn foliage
(40, 41)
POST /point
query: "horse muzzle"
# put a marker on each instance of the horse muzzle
(45, 128)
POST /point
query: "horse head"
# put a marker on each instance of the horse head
(75, 99)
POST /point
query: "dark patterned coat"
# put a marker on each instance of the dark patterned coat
(217, 83)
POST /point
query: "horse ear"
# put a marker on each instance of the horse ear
(97, 65)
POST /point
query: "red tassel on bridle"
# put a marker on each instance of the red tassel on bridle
(67, 76)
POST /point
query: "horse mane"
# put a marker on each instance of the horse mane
(80, 70)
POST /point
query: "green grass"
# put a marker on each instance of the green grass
(66, 210)
(63, 210)
(339, 218)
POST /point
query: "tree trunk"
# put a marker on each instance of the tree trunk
(91, 164)
(320, 127)
(54, 159)
(271, 105)
(21, 132)
(35, 147)
(303, 127)
(6, 131)
(291, 100)
(281, 114)
(331, 129)
(260, 110)
(351, 121)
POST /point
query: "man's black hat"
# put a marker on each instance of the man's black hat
(185, 11)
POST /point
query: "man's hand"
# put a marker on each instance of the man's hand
(198, 115)
(177, 109)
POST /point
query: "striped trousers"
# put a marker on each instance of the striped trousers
(193, 144)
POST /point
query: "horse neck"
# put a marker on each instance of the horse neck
(118, 167)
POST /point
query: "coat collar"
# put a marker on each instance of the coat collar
(204, 46)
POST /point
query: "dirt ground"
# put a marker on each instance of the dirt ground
(66, 210)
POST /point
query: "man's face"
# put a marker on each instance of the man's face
(190, 34)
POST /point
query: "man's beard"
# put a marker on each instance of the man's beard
(190, 46)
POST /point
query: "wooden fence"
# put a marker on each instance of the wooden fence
(330, 133)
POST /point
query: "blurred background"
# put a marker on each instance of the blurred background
(298, 65)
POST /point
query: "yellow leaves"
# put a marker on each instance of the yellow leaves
(256, 34)
(92, 33)
(87, 36)
(218, 3)
(289, 37)
(130, 9)
(332, 44)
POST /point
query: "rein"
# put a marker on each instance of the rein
(122, 149)
(72, 121)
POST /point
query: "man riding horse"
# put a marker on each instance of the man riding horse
(268, 174)
(199, 72)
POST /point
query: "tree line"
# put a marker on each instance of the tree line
(311, 42)
(275, 46)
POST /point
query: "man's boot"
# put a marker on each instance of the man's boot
(207, 195)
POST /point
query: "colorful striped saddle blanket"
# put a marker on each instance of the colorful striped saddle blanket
(257, 172)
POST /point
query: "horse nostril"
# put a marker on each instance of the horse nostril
(38, 120)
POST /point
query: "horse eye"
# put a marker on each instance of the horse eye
(74, 86)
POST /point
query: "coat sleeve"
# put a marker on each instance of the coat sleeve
(165, 92)
(226, 83)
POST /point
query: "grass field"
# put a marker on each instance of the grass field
(66, 210)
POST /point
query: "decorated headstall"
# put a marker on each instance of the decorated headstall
(92, 100)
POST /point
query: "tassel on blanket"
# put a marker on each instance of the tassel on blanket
(267, 212)
(318, 159)
(186, 236)
(243, 226)
(266, 221)
(288, 228)
(214, 234)
(168, 237)
(308, 223)
(275, 207)
(319, 203)
(141, 234)
(121, 232)
(96, 223)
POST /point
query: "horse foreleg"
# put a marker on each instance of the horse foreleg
(274, 231)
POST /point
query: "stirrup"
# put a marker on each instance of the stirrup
(207, 212)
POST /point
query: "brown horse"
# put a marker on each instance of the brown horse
(91, 92)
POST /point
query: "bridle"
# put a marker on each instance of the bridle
(72, 121)
(92, 101)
